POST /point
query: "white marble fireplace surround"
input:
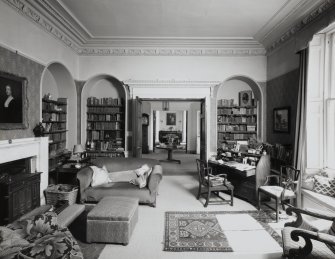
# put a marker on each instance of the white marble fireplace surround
(37, 148)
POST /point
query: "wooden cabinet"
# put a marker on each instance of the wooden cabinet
(54, 114)
(105, 127)
(19, 195)
(236, 122)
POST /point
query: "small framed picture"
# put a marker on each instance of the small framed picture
(170, 119)
(281, 120)
(245, 98)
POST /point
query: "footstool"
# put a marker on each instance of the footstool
(112, 220)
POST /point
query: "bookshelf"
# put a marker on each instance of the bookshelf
(105, 127)
(54, 119)
(236, 122)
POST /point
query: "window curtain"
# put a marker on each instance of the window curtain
(300, 153)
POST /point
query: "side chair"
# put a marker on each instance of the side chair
(285, 188)
(213, 183)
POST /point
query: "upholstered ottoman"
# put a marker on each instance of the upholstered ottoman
(112, 220)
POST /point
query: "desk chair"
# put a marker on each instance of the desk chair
(284, 189)
(213, 183)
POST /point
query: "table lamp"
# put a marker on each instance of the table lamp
(77, 150)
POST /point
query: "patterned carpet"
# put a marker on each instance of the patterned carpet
(211, 231)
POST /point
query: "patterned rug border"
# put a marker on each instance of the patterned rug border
(259, 216)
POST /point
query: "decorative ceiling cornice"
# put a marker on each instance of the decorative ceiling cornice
(170, 83)
(309, 19)
(55, 20)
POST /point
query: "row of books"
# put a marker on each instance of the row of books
(236, 111)
(53, 117)
(103, 135)
(235, 136)
(105, 145)
(104, 109)
(114, 125)
(59, 147)
(58, 137)
(104, 117)
(105, 101)
(228, 119)
(107, 154)
(236, 128)
(226, 102)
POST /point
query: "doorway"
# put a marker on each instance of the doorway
(170, 122)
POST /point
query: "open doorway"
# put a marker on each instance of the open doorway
(171, 123)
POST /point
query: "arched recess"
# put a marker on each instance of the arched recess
(244, 83)
(101, 86)
(58, 81)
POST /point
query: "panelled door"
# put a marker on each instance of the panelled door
(203, 142)
(137, 127)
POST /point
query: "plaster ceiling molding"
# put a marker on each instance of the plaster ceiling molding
(165, 52)
(309, 19)
(169, 83)
(27, 10)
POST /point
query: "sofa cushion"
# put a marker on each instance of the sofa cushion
(41, 225)
(59, 244)
(324, 185)
(10, 242)
(100, 176)
(95, 194)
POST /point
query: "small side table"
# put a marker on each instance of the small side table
(67, 173)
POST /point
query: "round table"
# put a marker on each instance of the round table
(170, 150)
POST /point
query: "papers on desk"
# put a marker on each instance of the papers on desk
(247, 169)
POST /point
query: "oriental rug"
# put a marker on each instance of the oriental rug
(220, 231)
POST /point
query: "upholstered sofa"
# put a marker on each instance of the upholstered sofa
(41, 234)
(146, 195)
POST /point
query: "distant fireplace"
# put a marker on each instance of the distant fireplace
(16, 167)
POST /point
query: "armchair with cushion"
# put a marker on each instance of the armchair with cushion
(213, 183)
(280, 187)
(302, 240)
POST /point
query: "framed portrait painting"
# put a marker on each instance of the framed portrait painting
(245, 98)
(281, 120)
(13, 102)
(170, 119)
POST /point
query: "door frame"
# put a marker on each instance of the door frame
(200, 100)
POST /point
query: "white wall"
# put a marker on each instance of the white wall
(192, 68)
(49, 85)
(230, 90)
(21, 34)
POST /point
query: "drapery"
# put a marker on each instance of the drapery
(300, 152)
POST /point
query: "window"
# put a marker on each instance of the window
(321, 102)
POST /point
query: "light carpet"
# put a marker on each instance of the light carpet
(177, 192)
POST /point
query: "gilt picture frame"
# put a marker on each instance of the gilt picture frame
(13, 102)
(171, 119)
(281, 120)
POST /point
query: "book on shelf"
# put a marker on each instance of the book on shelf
(105, 101)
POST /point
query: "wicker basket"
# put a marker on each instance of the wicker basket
(59, 192)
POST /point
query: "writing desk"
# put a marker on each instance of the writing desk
(246, 182)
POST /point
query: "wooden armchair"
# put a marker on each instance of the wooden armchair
(299, 242)
(212, 183)
(285, 187)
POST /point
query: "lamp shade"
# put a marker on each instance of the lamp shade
(77, 149)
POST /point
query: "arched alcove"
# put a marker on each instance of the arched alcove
(230, 88)
(102, 86)
(58, 81)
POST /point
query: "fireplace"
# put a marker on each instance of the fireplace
(23, 176)
(32, 152)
